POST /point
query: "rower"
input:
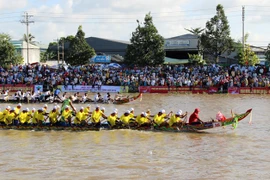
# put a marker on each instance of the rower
(80, 117)
(2, 122)
(66, 116)
(84, 98)
(159, 118)
(148, 113)
(39, 116)
(176, 120)
(112, 119)
(131, 113)
(142, 120)
(5, 114)
(125, 118)
(45, 108)
(6, 95)
(53, 116)
(23, 117)
(10, 116)
(29, 116)
(34, 117)
(18, 109)
(96, 115)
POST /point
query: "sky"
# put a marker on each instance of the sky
(117, 19)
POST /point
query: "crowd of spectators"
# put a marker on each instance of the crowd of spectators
(165, 75)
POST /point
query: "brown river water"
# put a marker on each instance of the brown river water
(221, 153)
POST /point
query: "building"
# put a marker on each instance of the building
(176, 48)
(108, 46)
(260, 52)
(180, 46)
(21, 48)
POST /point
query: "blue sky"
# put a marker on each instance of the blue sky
(116, 19)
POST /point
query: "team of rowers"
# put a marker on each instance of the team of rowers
(68, 116)
(48, 96)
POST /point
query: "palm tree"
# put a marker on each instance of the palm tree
(197, 32)
(30, 37)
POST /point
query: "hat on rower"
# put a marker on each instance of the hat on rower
(127, 112)
(143, 114)
(45, 105)
(114, 112)
(40, 109)
(81, 108)
(66, 107)
(55, 107)
(163, 111)
(97, 106)
(180, 112)
(19, 104)
(33, 109)
(148, 110)
(27, 109)
(103, 109)
(8, 108)
(88, 105)
(131, 109)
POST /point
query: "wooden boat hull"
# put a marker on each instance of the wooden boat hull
(182, 128)
(127, 100)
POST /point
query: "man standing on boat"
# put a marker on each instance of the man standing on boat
(67, 102)
(56, 95)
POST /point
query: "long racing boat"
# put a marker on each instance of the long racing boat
(184, 127)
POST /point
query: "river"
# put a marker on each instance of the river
(221, 153)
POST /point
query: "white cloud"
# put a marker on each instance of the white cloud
(6, 5)
(116, 19)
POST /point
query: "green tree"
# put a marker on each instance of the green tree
(246, 56)
(147, 46)
(195, 59)
(267, 53)
(52, 51)
(8, 52)
(79, 51)
(216, 39)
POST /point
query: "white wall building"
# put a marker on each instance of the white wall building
(34, 51)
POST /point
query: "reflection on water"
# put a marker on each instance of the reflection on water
(242, 153)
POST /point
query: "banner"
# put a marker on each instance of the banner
(101, 59)
(233, 90)
(79, 88)
(165, 89)
(15, 88)
(38, 88)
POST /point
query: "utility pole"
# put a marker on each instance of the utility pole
(63, 52)
(26, 21)
(243, 27)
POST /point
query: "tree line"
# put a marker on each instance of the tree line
(147, 45)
